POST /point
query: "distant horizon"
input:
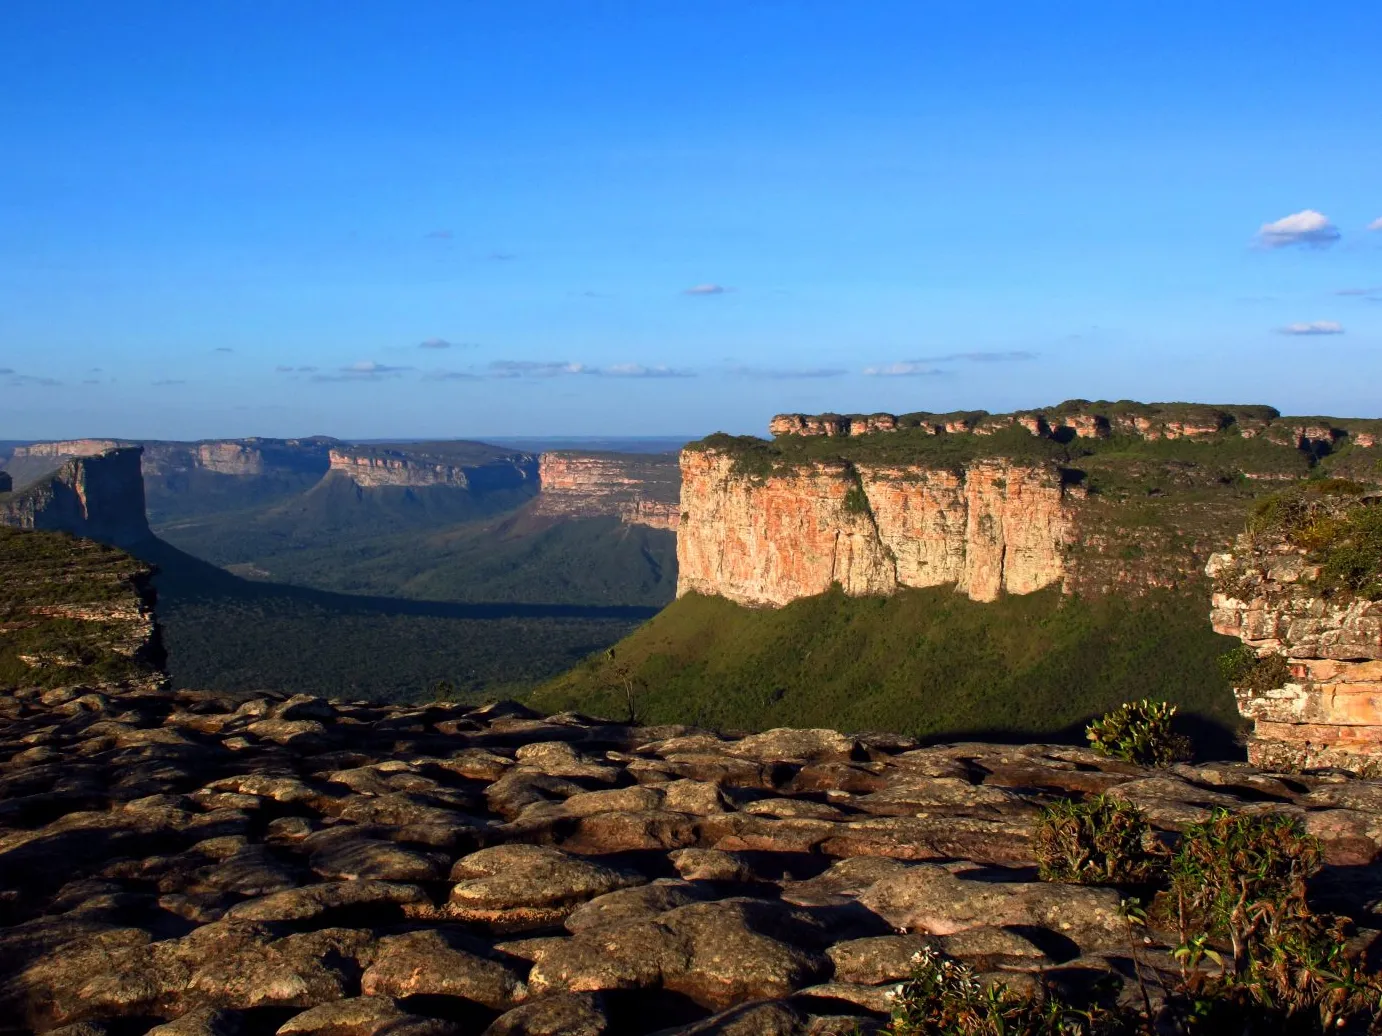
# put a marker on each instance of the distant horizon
(634, 437)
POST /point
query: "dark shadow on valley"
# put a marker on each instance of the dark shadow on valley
(181, 577)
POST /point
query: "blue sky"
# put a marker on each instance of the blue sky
(644, 217)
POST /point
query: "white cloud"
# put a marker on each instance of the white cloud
(705, 289)
(905, 369)
(365, 370)
(787, 373)
(1301, 228)
(638, 370)
(1314, 327)
(434, 343)
(1376, 224)
(1011, 356)
(536, 368)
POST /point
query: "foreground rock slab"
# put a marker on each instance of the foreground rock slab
(188, 864)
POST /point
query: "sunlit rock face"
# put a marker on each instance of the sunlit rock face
(994, 527)
(1329, 711)
(637, 489)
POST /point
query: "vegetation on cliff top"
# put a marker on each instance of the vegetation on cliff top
(1337, 524)
(69, 611)
(925, 662)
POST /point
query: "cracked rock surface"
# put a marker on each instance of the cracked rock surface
(188, 863)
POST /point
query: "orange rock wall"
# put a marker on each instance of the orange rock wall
(637, 490)
(996, 527)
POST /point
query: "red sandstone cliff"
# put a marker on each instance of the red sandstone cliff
(997, 526)
(637, 489)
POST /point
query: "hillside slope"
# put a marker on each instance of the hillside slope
(925, 662)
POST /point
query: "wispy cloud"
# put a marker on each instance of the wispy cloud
(906, 369)
(1358, 291)
(1308, 228)
(438, 235)
(535, 368)
(638, 370)
(442, 343)
(1011, 356)
(787, 373)
(224, 349)
(705, 289)
(18, 380)
(1376, 224)
(501, 257)
(451, 376)
(1313, 327)
(365, 370)
(168, 381)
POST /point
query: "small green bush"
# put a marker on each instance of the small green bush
(1139, 732)
(1244, 669)
(1236, 873)
(945, 998)
(1099, 842)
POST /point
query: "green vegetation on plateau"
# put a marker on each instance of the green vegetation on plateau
(68, 611)
(926, 662)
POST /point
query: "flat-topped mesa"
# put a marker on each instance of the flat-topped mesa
(1303, 589)
(68, 448)
(458, 466)
(1100, 419)
(638, 489)
(993, 526)
(371, 470)
(100, 497)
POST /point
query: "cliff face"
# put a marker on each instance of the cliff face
(997, 526)
(100, 497)
(372, 468)
(1097, 420)
(1322, 703)
(637, 489)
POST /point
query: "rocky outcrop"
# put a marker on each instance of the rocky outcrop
(68, 448)
(1096, 420)
(99, 496)
(293, 864)
(639, 489)
(996, 526)
(73, 610)
(371, 467)
(1320, 703)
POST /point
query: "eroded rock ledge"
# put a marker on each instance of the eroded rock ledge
(1326, 641)
(296, 865)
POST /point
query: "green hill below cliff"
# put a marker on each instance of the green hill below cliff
(925, 662)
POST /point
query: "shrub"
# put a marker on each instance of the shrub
(1244, 669)
(945, 998)
(1099, 842)
(1139, 732)
(1240, 875)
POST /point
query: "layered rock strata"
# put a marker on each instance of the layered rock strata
(1329, 711)
(99, 496)
(996, 526)
(373, 468)
(72, 610)
(448, 869)
(1086, 420)
(637, 489)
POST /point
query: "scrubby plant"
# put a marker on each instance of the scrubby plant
(1327, 523)
(1243, 877)
(1244, 669)
(945, 998)
(1099, 842)
(1139, 732)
